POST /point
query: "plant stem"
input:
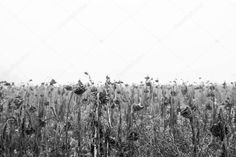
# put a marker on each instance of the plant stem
(193, 138)
(67, 116)
(79, 125)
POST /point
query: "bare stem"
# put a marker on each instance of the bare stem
(67, 116)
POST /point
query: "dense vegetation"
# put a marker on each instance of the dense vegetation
(117, 119)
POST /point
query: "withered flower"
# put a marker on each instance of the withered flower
(194, 107)
(80, 89)
(210, 94)
(69, 88)
(166, 101)
(208, 106)
(186, 113)
(224, 85)
(120, 82)
(18, 101)
(46, 103)
(68, 126)
(218, 130)
(94, 89)
(112, 141)
(52, 82)
(147, 78)
(7, 84)
(118, 91)
(212, 87)
(32, 109)
(42, 123)
(184, 90)
(137, 107)
(228, 104)
(173, 93)
(116, 101)
(148, 83)
(113, 105)
(29, 131)
(133, 136)
(63, 147)
(178, 110)
(103, 97)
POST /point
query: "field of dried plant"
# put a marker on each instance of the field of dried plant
(117, 119)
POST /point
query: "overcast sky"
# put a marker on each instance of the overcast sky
(125, 39)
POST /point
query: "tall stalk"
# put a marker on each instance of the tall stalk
(67, 116)
(78, 98)
(194, 141)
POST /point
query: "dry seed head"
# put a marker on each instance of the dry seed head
(137, 107)
(80, 88)
(52, 82)
(147, 78)
(68, 87)
(184, 89)
(133, 136)
(217, 130)
(186, 113)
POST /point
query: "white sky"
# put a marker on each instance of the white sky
(126, 39)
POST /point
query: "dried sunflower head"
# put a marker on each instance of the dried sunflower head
(186, 113)
(32, 109)
(42, 123)
(7, 83)
(147, 78)
(224, 85)
(103, 97)
(111, 140)
(133, 136)
(18, 101)
(148, 83)
(178, 110)
(208, 106)
(212, 87)
(137, 107)
(218, 130)
(184, 90)
(80, 89)
(52, 82)
(29, 131)
(210, 94)
(117, 102)
(166, 101)
(69, 88)
(173, 93)
(46, 103)
(68, 126)
(228, 104)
